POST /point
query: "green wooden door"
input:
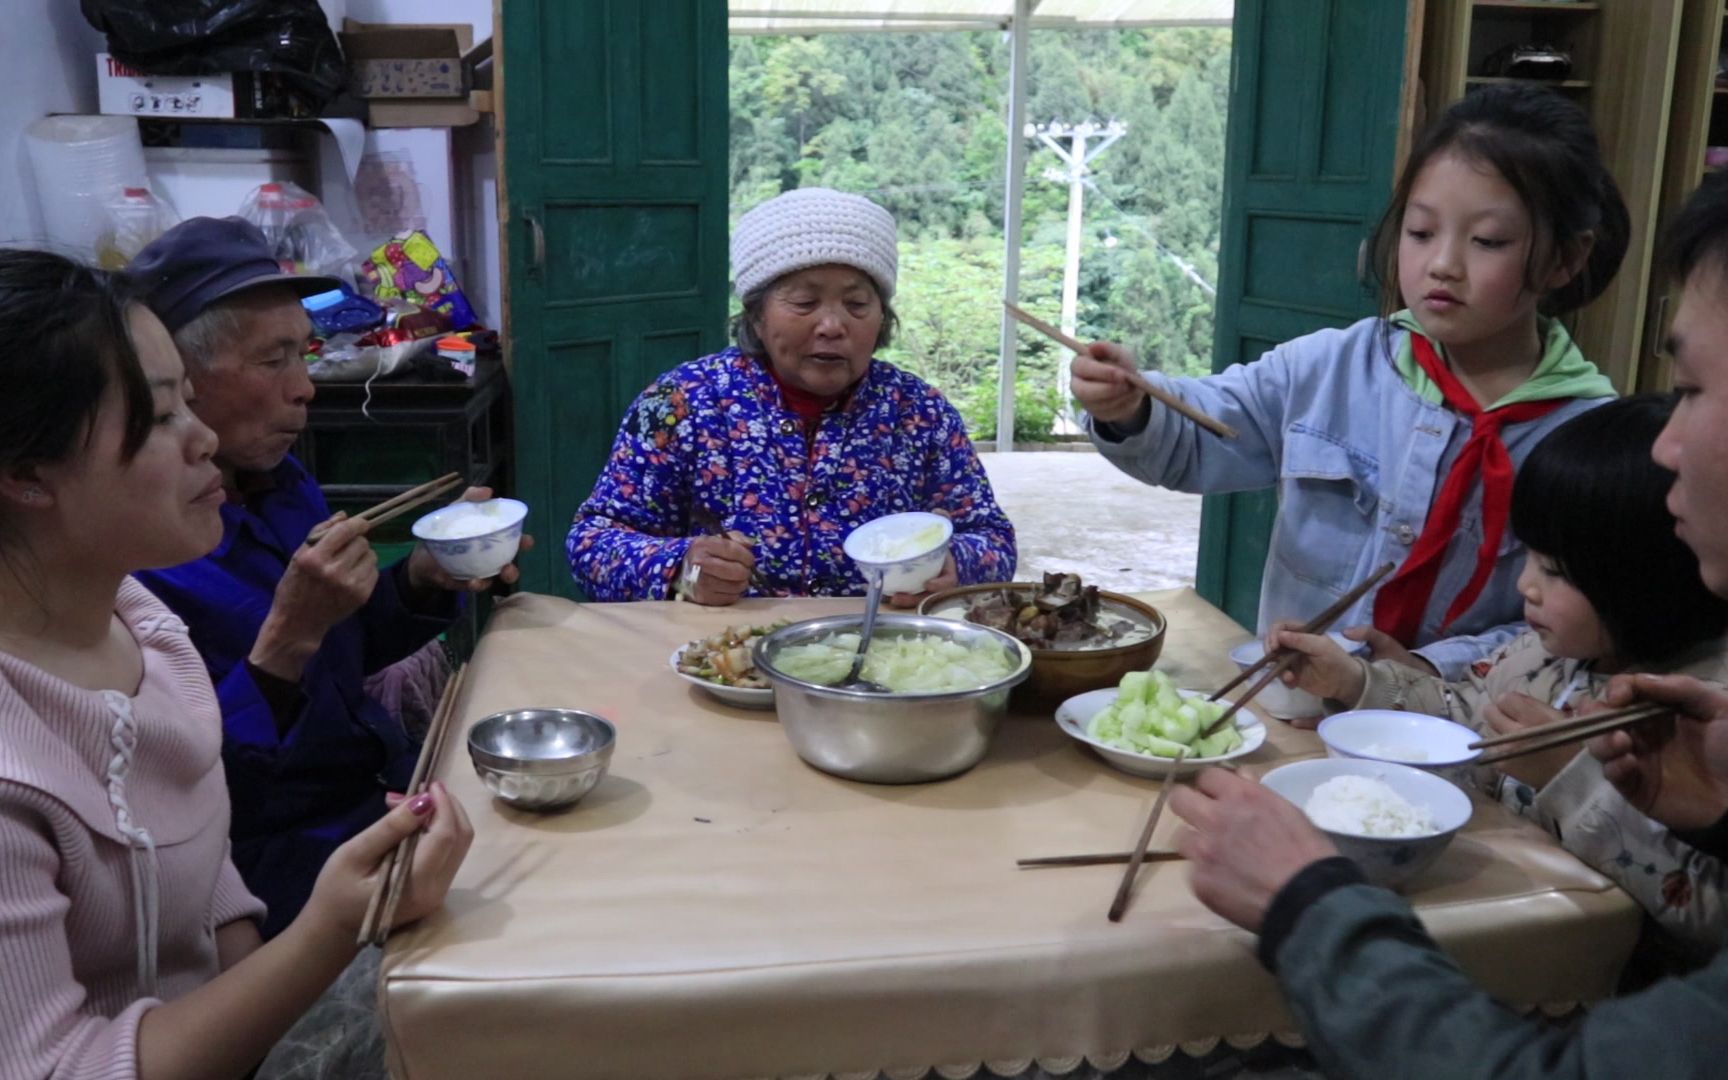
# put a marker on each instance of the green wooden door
(1314, 100)
(614, 221)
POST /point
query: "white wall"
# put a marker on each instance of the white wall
(48, 54)
(475, 164)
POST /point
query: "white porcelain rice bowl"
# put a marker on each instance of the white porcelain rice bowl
(1385, 860)
(473, 539)
(894, 546)
(1425, 742)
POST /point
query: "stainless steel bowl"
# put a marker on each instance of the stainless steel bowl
(541, 759)
(894, 738)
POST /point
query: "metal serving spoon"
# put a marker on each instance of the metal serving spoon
(872, 601)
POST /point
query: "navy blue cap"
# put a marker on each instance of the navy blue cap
(203, 259)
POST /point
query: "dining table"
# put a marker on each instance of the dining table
(716, 909)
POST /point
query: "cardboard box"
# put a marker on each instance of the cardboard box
(125, 91)
(408, 61)
(411, 113)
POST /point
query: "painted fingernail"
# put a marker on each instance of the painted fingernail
(393, 797)
(421, 804)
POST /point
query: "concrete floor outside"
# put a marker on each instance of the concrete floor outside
(1076, 512)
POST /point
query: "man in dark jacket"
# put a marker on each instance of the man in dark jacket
(288, 630)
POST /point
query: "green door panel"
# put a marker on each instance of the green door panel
(614, 127)
(1314, 102)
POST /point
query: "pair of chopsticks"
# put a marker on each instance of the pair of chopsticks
(1138, 855)
(393, 876)
(1281, 659)
(397, 505)
(1563, 732)
(1139, 381)
(1106, 858)
(704, 519)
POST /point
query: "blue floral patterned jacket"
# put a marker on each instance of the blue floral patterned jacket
(714, 433)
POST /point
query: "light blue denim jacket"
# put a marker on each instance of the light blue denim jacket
(1357, 458)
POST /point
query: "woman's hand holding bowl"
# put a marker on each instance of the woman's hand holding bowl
(949, 578)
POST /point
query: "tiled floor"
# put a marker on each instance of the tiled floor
(1076, 512)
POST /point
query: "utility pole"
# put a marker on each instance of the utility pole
(1076, 156)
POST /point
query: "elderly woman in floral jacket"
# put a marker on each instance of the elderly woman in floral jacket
(741, 473)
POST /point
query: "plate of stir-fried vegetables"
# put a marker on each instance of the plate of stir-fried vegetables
(722, 665)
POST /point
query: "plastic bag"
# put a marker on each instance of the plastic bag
(288, 38)
(342, 311)
(295, 223)
(409, 266)
(344, 359)
(133, 219)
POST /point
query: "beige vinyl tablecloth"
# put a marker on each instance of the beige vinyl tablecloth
(717, 909)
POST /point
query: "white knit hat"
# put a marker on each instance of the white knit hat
(814, 227)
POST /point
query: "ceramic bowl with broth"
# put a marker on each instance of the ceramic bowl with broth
(1060, 673)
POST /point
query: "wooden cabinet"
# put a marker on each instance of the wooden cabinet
(1698, 120)
(1625, 66)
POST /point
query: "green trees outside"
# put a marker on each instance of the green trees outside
(915, 121)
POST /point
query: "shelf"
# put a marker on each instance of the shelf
(1558, 84)
(1536, 6)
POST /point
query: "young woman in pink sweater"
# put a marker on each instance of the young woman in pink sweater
(128, 944)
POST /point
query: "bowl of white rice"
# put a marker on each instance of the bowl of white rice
(1393, 821)
(1429, 743)
(906, 549)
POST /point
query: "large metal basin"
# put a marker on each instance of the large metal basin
(890, 738)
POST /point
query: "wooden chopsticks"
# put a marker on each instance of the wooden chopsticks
(397, 505)
(1120, 904)
(1281, 659)
(1106, 858)
(1141, 383)
(393, 875)
(1562, 732)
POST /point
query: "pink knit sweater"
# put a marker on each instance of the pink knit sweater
(114, 869)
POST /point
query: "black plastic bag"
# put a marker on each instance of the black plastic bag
(288, 39)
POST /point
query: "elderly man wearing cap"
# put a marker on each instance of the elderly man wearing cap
(789, 441)
(288, 630)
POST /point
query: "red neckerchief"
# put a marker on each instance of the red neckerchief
(808, 407)
(1401, 601)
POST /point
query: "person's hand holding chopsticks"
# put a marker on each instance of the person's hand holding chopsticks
(717, 569)
(426, 576)
(346, 883)
(1673, 769)
(323, 584)
(1383, 646)
(1514, 711)
(1101, 380)
(1323, 669)
(1245, 843)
